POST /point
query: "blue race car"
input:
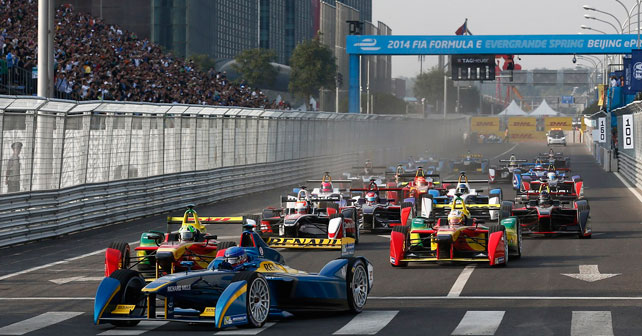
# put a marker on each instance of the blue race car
(236, 294)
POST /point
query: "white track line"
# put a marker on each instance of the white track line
(586, 323)
(582, 298)
(479, 323)
(37, 322)
(48, 298)
(459, 284)
(509, 150)
(368, 322)
(392, 298)
(142, 327)
(29, 270)
(628, 185)
(254, 331)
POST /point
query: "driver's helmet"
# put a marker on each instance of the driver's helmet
(326, 187)
(301, 207)
(551, 176)
(371, 197)
(421, 182)
(187, 233)
(462, 189)
(235, 256)
(544, 198)
(456, 217)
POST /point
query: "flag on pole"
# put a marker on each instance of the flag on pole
(463, 30)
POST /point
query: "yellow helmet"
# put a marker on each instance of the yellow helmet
(456, 217)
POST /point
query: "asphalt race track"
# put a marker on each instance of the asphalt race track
(47, 288)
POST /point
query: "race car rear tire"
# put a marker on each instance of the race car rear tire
(404, 231)
(518, 254)
(131, 284)
(351, 213)
(357, 285)
(124, 249)
(505, 210)
(257, 302)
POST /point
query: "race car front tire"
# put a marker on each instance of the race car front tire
(124, 249)
(131, 284)
(257, 302)
(357, 285)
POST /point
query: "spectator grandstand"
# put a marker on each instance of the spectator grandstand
(99, 61)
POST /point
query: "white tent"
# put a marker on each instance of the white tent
(544, 110)
(513, 110)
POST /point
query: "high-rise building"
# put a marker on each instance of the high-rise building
(376, 71)
(223, 28)
(220, 28)
(364, 7)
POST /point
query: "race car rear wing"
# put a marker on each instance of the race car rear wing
(414, 174)
(333, 181)
(469, 206)
(379, 189)
(469, 181)
(285, 199)
(305, 243)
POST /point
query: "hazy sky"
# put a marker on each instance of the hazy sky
(492, 17)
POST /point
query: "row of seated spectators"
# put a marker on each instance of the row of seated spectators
(95, 60)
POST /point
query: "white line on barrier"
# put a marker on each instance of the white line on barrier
(626, 184)
(459, 284)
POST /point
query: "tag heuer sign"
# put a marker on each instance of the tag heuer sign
(473, 67)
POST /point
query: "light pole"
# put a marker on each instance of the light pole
(589, 8)
(605, 74)
(617, 31)
(593, 29)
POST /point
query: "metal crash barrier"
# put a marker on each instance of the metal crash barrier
(66, 166)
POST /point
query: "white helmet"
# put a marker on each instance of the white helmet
(551, 176)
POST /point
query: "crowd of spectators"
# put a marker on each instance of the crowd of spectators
(95, 60)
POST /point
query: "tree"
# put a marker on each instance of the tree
(202, 62)
(430, 85)
(313, 67)
(254, 66)
(385, 103)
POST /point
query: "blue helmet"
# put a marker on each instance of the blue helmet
(235, 256)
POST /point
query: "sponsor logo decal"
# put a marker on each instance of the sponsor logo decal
(178, 288)
(637, 71)
(209, 312)
(304, 242)
(368, 44)
(522, 123)
(485, 123)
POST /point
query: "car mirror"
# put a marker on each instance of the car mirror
(210, 237)
(156, 237)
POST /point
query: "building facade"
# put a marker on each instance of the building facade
(376, 71)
